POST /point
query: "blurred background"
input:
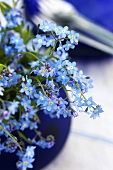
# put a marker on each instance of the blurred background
(90, 142)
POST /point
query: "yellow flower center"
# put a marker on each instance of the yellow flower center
(56, 29)
(25, 124)
(96, 110)
(40, 40)
(25, 163)
(1, 78)
(10, 80)
(14, 12)
(44, 70)
(63, 77)
(72, 36)
(78, 85)
(59, 66)
(50, 103)
(18, 19)
(56, 56)
(46, 27)
(88, 102)
(26, 114)
(25, 104)
(69, 45)
(21, 47)
(51, 41)
(15, 123)
(74, 75)
(41, 98)
(25, 88)
(12, 107)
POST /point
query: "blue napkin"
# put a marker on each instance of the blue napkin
(99, 11)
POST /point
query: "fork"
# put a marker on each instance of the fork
(64, 13)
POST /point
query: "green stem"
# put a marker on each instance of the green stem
(42, 87)
(21, 135)
(83, 96)
(38, 133)
(29, 53)
(14, 4)
(11, 136)
(4, 107)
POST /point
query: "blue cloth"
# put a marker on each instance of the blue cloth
(100, 11)
(31, 7)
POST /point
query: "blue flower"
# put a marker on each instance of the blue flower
(58, 65)
(39, 41)
(45, 71)
(30, 151)
(50, 105)
(45, 26)
(20, 47)
(14, 18)
(10, 146)
(17, 20)
(15, 39)
(88, 84)
(13, 79)
(71, 67)
(73, 36)
(26, 163)
(15, 124)
(33, 125)
(29, 114)
(62, 77)
(40, 98)
(50, 41)
(77, 102)
(68, 45)
(66, 113)
(24, 124)
(13, 107)
(8, 50)
(89, 102)
(34, 63)
(63, 31)
(26, 103)
(25, 88)
(96, 112)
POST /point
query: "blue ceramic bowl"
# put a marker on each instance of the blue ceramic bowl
(59, 128)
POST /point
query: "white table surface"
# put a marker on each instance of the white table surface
(90, 142)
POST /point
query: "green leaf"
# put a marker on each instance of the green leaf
(21, 135)
(86, 109)
(47, 51)
(26, 35)
(2, 66)
(4, 7)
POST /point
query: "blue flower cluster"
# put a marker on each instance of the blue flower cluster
(58, 34)
(14, 18)
(13, 43)
(26, 159)
(34, 80)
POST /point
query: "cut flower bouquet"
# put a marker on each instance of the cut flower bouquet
(33, 70)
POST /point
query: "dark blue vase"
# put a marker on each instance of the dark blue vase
(59, 128)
